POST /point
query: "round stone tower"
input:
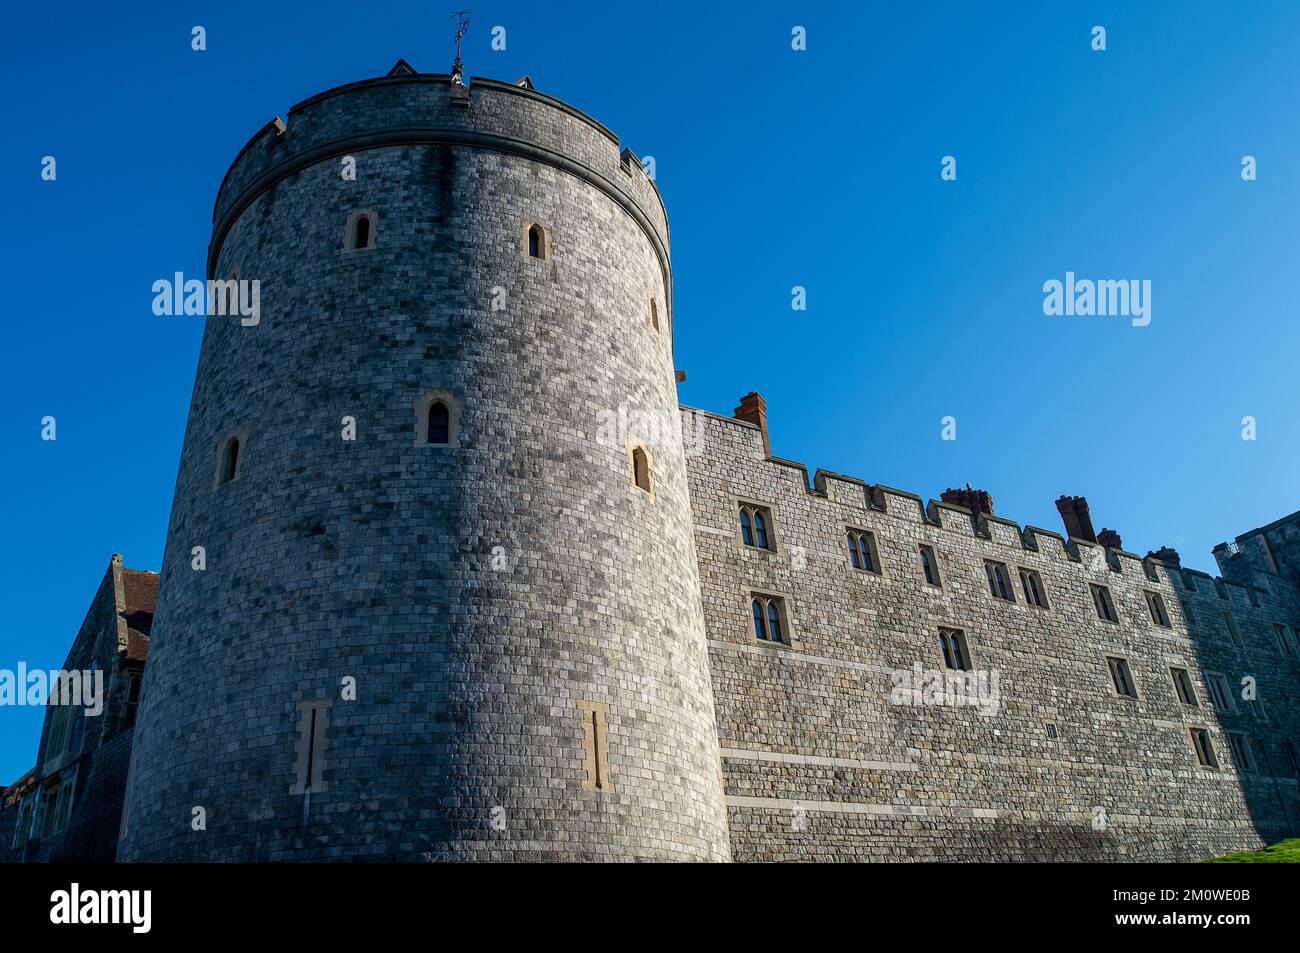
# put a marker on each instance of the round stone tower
(430, 588)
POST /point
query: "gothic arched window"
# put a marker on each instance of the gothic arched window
(774, 621)
(862, 550)
(756, 526)
(767, 612)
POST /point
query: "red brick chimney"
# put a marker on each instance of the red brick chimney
(977, 501)
(1109, 539)
(753, 410)
(1166, 555)
(1074, 513)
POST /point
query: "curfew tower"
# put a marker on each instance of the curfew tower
(430, 584)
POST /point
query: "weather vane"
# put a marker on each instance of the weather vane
(458, 68)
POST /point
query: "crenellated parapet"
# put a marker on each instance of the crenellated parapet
(1251, 579)
(407, 108)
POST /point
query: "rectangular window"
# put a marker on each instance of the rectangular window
(1283, 643)
(930, 565)
(1241, 755)
(862, 550)
(1103, 603)
(999, 581)
(756, 530)
(50, 809)
(56, 737)
(1187, 613)
(132, 699)
(1220, 691)
(78, 731)
(1232, 629)
(1156, 605)
(24, 822)
(1293, 763)
(956, 655)
(1204, 748)
(1032, 583)
(68, 794)
(1183, 687)
(313, 722)
(1121, 676)
(595, 747)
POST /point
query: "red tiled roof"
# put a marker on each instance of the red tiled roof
(137, 645)
(15, 791)
(141, 593)
(141, 590)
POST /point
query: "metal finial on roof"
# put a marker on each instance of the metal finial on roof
(457, 67)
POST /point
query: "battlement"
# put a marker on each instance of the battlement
(409, 108)
(1249, 586)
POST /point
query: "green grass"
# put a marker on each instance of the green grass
(1283, 852)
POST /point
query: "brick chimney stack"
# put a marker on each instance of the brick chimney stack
(977, 501)
(1109, 539)
(1074, 513)
(753, 410)
(1166, 555)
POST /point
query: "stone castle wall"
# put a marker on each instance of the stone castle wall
(489, 597)
(70, 805)
(820, 764)
(501, 602)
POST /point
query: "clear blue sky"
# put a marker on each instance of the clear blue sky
(779, 168)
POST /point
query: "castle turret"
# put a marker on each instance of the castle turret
(430, 586)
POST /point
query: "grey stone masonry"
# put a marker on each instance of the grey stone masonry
(482, 595)
(824, 757)
(69, 807)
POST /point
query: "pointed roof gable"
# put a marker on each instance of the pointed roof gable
(402, 68)
(525, 82)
